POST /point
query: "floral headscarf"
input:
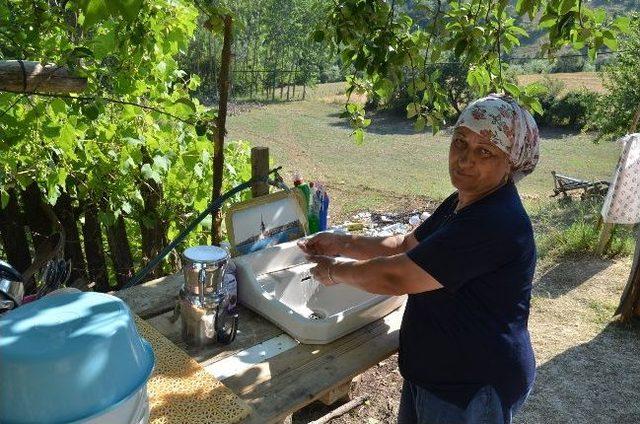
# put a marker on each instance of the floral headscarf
(507, 125)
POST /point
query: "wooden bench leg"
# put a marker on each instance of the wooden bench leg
(344, 391)
(605, 237)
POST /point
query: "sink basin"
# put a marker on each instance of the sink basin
(275, 282)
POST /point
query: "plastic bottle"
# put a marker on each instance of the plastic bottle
(314, 212)
(324, 212)
(304, 188)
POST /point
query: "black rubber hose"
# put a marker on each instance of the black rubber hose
(213, 207)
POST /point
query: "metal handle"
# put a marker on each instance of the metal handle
(202, 274)
(6, 304)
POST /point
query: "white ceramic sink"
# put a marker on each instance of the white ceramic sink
(275, 283)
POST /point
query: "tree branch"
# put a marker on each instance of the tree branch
(106, 99)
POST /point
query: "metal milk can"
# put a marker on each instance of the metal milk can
(203, 300)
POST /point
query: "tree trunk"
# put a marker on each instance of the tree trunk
(72, 246)
(153, 235)
(218, 149)
(13, 234)
(35, 215)
(304, 90)
(94, 248)
(294, 87)
(273, 86)
(120, 251)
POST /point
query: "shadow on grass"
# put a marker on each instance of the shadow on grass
(553, 133)
(567, 275)
(594, 382)
(382, 123)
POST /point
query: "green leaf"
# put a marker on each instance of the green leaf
(201, 128)
(420, 123)
(512, 89)
(94, 11)
(149, 174)
(358, 136)
(547, 21)
(566, 6)
(461, 45)
(91, 111)
(129, 9)
(536, 107)
(58, 106)
(4, 199)
(81, 52)
(413, 109)
(194, 82)
(161, 162)
(623, 23)
(383, 88)
(612, 43)
(318, 36)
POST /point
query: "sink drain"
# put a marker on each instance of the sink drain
(315, 315)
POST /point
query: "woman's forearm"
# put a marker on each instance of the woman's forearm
(391, 275)
(361, 247)
(372, 275)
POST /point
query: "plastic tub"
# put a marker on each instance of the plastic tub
(73, 357)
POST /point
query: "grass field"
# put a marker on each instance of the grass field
(396, 167)
(572, 81)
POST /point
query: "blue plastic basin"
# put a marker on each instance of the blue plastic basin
(69, 357)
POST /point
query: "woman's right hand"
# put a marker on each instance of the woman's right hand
(323, 244)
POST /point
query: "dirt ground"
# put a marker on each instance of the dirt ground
(587, 366)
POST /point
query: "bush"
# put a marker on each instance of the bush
(568, 64)
(573, 110)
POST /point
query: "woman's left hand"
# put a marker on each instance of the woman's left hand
(320, 272)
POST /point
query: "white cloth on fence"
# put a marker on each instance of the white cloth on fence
(622, 204)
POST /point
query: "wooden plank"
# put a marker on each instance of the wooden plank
(259, 168)
(247, 358)
(289, 381)
(605, 237)
(28, 76)
(153, 297)
(252, 330)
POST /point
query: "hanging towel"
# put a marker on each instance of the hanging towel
(622, 204)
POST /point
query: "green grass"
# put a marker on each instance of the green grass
(570, 229)
(395, 160)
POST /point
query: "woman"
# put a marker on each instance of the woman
(465, 352)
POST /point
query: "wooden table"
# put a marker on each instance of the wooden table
(280, 385)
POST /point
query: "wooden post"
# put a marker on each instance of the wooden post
(22, 76)
(605, 237)
(259, 168)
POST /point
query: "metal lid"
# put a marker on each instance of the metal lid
(206, 254)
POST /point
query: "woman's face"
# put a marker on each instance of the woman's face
(475, 164)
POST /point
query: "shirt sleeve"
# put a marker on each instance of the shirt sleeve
(465, 248)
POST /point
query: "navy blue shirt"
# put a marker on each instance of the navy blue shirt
(473, 331)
